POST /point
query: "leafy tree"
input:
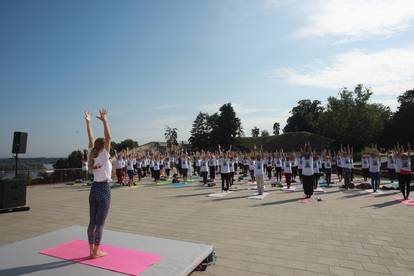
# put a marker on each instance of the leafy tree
(276, 128)
(305, 116)
(265, 133)
(171, 136)
(255, 131)
(399, 129)
(200, 132)
(74, 160)
(351, 119)
(127, 143)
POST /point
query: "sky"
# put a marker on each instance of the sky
(156, 63)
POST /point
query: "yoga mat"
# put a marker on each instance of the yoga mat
(319, 190)
(180, 185)
(306, 200)
(257, 196)
(23, 258)
(291, 189)
(399, 198)
(220, 194)
(408, 202)
(127, 261)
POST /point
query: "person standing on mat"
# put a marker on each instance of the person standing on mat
(405, 172)
(259, 172)
(374, 169)
(307, 171)
(100, 194)
(224, 170)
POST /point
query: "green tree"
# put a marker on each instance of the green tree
(351, 119)
(171, 136)
(304, 116)
(200, 132)
(399, 129)
(127, 143)
(74, 160)
(225, 127)
(265, 133)
(276, 128)
(255, 131)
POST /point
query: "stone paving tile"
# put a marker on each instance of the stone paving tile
(344, 234)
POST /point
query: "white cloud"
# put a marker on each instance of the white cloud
(389, 72)
(356, 19)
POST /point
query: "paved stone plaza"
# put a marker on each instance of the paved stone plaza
(348, 233)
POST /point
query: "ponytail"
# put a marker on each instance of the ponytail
(91, 159)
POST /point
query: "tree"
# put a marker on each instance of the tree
(171, 136)
(305, 116)
(351, 119)
(399, 129)
(276, 128)
(127, 143)
(225, 127)
(74, 160)
(200, 132)
(255, 131)
(265, 133)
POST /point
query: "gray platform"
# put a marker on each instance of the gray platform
(22, 258)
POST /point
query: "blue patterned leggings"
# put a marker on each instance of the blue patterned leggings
(99, 202)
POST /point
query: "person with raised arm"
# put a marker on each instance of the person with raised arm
(374, 168)
(405, 171)
(224, 170)
(100, 194)
(346, 161)
(307, 170)
(259, 171)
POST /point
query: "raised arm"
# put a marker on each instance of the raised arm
(89, 129)
(103, 116)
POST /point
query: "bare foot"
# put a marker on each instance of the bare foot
(99, 254)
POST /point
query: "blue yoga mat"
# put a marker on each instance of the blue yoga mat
(180, 185)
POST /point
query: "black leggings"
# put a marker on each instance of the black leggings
(328, 173)
(231, 178)
(308, 183)
(252, 175)
(212, 172)
(269, 172)
(391, 174)
(204, 176)
(404, 182)
(316, 177)
(278, 174)
(225, 177)
(99, 202)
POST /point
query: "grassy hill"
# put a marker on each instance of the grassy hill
(287, 141)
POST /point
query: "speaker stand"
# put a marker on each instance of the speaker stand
(15, 209)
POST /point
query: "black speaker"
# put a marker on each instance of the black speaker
(12, 193)
(19, 142)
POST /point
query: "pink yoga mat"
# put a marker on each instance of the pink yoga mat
(127, 261)
(408, 202)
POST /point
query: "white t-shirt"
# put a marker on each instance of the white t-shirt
(287, 166)
(391, 163)
(84, 165)
(300, 164)
(232, 162)
(212, 162)
(278, 163)
(251, 165)
(328, 164)
(365, 163)
(204, 166)
(374, 165)
(184, 164)
(346, 163)
(258, 167)
(224, 165)
(339, 162)
(102, 168)
(307, 168)
(130, 165)
(315, 166)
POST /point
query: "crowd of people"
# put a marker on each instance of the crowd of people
(305, 165)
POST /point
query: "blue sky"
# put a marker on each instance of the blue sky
(157, 63)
